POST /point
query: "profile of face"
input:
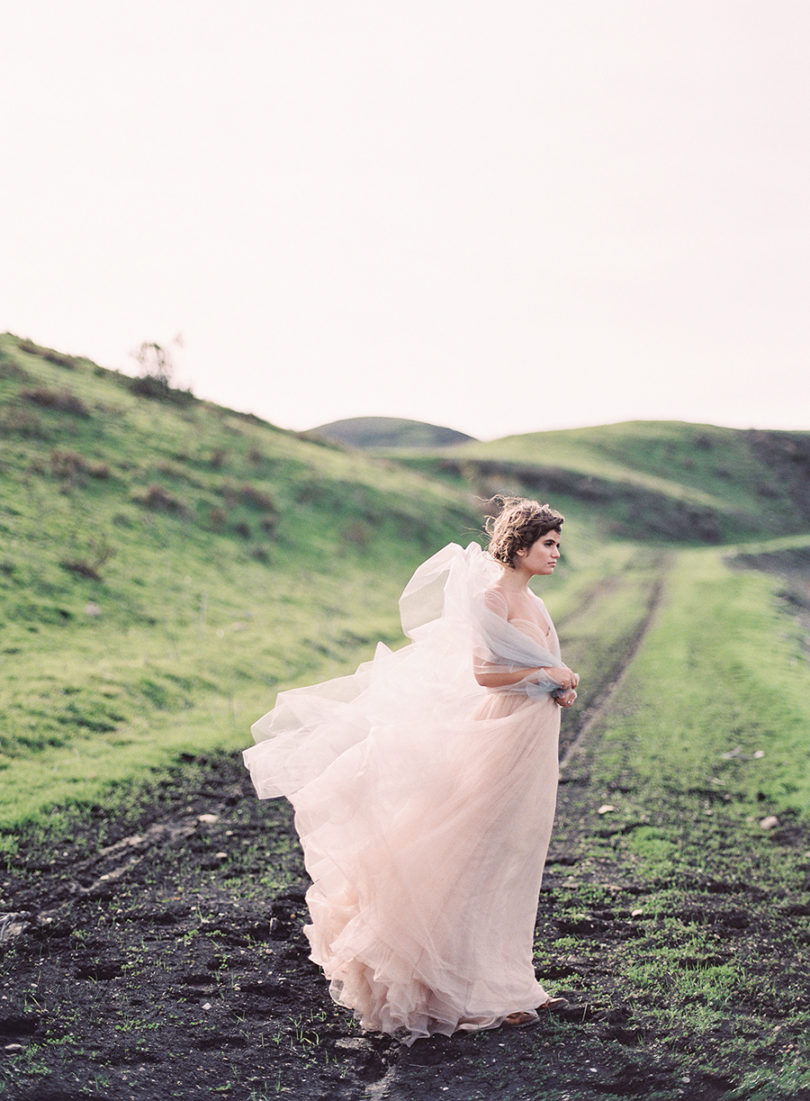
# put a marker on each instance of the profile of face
(542, 556)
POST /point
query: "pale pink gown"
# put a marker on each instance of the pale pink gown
(424, 805)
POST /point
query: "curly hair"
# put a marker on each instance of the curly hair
(520, 523)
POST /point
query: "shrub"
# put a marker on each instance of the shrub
(157, 366)
(243, 529)
(218, 457)
(217, 518)
(22, 422)
(10, 368)
(72, 466)
(149, 387)
(48, 354)
(257, 498)
(356, 534)
(82, 567)
(63, 401)
(159, 499)
(99, 552)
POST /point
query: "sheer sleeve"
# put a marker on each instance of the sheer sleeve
(453, 603)
(484, 660)
(501, 647)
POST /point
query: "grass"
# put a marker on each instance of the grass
(157, 575)
(158, 583)
(680, 906)
(722, 677)
(708, 463)
(649, 481)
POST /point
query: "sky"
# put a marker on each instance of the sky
(502, 217)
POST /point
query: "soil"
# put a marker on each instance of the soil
(161, 956)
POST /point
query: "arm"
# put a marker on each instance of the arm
(564, 676)
(501, 680)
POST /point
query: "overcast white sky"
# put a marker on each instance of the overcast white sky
(501, 216)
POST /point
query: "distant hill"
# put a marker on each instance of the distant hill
(644, 480)
(372, 433)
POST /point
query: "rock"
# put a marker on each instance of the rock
(769, 822)
(208, 819)
(606, 808)
(13, 923)
(353, 1043)
(91, 608)
(12, 1048)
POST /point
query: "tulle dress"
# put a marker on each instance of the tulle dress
(424, 804)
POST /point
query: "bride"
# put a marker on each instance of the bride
(424, 787)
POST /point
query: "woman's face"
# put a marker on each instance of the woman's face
(542, 556)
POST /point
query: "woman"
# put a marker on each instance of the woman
(425, 786)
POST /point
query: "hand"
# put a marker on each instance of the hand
(566, 699)
(565, 677)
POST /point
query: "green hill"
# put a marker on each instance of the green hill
(651, 479)
(160, 553)
(167, 564)
(389, 432)
(157, 569)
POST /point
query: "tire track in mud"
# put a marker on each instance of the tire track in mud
(601, 704)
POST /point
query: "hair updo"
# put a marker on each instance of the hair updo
(520, 523)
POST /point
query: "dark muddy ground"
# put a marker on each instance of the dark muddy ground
(171, 963)
(158, 954)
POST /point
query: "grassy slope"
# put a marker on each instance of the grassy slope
(210, 530)
(642, 479)
(714, 464)
(203, 613)
(204, 599)
(705, 740)
(729, 671)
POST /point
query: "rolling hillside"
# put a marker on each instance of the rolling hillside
(160, 554)
(651, 480)
(158, 563)
(167, 565)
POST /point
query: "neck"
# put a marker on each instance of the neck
(515, 578)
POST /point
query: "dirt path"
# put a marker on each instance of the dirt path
(170, 963)
(599, 702)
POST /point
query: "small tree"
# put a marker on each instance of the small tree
(156, 362)
(157, 370)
